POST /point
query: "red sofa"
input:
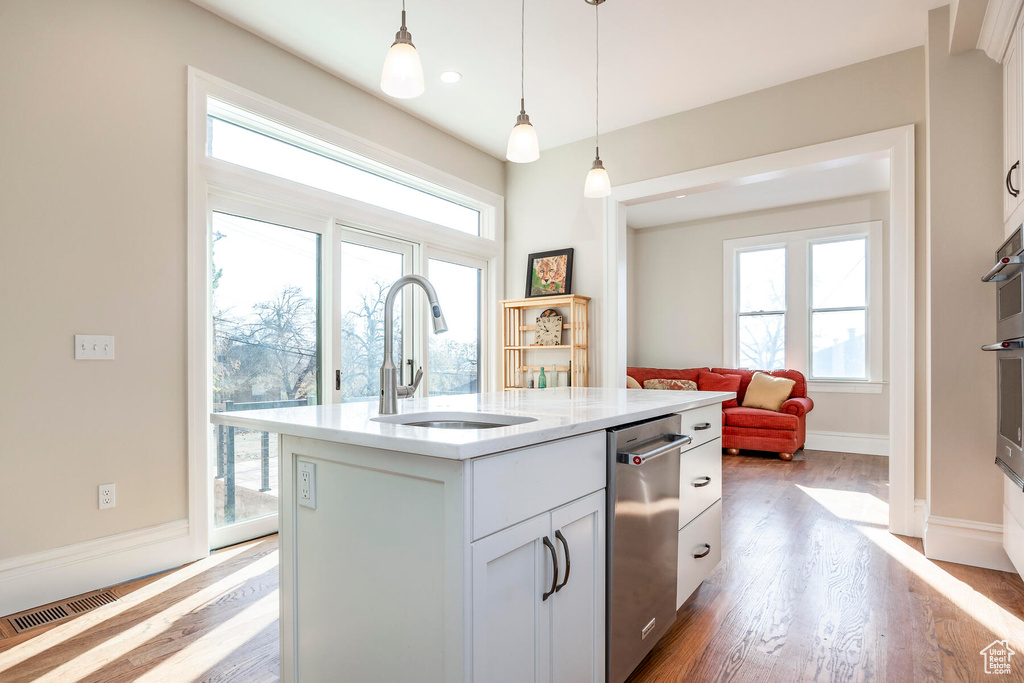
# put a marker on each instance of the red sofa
(751, 428)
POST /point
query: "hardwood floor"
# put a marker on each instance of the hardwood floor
(811, 588)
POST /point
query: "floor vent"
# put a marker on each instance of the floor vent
(59, 611)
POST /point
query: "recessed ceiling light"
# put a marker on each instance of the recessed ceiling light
(450, 77)
(680, 196)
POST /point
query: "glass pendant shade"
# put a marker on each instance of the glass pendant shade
(523, 145)
(598, 183)
(402, 76)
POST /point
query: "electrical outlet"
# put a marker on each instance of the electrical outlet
(307, 484)
(107, 499)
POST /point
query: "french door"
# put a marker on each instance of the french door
(297, 318)
(265, 352)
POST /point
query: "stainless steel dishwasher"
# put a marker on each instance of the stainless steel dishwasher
(643, 535)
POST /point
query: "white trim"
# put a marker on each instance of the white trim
(822, 386)
(896, 144)
(32, 580)
(920, 515)
(845, 442)
(978, 544)
(997, 27)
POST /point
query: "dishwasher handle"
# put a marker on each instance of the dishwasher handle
(675, 441)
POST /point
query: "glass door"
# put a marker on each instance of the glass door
(265, 354)
(367, 267)
(454, 358)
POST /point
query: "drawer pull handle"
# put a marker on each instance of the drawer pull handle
(702, 426)
(702, 484)
(554, 573)
(568, 562)
(707, 549)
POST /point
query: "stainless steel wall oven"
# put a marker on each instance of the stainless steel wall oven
(1008, 274)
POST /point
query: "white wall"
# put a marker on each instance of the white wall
(965, 225)
(676, 285)
(93, 227)
(545, 207)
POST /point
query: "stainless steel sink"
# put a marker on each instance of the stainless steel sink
(454, 420)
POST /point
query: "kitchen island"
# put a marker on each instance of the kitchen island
(414, 553)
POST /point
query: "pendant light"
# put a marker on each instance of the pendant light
(403, 73)
(523, 146)
(598, 183)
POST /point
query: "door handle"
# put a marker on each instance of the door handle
(568, 561)
(677, 440)
(707, 480)
(554, 563)
(1002, 346)
(707, 549)
(993, 276)
(702, 426)
(1009, 181)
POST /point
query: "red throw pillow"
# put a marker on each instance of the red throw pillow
(712, 381)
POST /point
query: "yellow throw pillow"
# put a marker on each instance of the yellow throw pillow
(632, 383)
(767, 392)
(671, 384)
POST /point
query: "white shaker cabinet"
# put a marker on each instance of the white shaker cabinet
(531, 622)
(1012, 127)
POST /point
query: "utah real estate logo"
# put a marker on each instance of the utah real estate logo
(997, 657)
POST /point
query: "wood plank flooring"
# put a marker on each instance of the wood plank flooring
(811, 588)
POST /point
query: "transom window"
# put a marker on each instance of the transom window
(257, 143)
(807, 300)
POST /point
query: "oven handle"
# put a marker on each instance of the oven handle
(992, 275)
(1003, 346)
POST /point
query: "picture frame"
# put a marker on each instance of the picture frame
(549, 273)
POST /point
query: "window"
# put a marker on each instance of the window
(809, 300)
(762, 308)
(297, 232)
(257, 143)
(839, 309)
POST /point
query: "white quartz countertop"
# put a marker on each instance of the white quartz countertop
(560, 413)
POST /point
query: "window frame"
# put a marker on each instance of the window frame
(799, 288)
(214, 183)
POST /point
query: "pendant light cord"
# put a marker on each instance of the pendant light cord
(522, 60)
(597, 79)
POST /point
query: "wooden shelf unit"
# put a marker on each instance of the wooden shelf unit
(517, 329)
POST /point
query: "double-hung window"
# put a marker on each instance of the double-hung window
(809, 300)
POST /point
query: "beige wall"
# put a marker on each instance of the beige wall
(676, 282)
(545, 207)
(965, 225)
(93, 228)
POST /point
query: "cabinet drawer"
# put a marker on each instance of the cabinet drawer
(700, 480)
(511, 487)
(1013, 500)
(1013, 539)
(703, 424)
(702, 535)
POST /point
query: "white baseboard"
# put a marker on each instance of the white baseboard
(843, 442)
(978, 544)
(31, 580)
(920, 515)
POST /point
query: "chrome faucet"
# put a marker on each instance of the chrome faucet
(390, 391)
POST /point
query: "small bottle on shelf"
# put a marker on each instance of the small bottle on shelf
(542, 381)
(554, 376)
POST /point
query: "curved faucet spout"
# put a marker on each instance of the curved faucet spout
(389, 389)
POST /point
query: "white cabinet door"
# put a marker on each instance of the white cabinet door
(1012, 127)
(578, 613)
(512, 570)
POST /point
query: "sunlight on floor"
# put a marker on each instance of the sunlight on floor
(67, 631)
(229, 636)
(870, 516)
(150, 628)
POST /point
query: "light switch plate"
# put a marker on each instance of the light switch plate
(306, 484)
(94, 347)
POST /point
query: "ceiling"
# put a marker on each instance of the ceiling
(842, 178)
(659, 57)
